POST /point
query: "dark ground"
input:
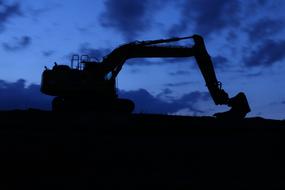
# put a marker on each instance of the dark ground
(44, 150)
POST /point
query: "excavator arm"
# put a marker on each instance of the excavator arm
(114, 61)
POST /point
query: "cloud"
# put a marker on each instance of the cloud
(147, 103)
(264, 28)
(130, 17)
(268, 53)
(126, 16)
(213, 16)
(179, 73)
(15, 95)
(37, 10)
(165, 91)
(165, 95)
(17, 43)
(207, 16)
(85, 49)
(253, 75)
(177, 84)
(220, 61)
(48, 53)
(7, 12)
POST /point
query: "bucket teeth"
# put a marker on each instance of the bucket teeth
(239, 108)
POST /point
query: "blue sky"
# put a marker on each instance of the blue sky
(246, 40)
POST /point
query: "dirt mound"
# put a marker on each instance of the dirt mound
(43, 150)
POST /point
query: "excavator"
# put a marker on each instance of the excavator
(90, 85)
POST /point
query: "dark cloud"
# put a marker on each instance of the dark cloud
(17, 43)
(147, 103)
(177, 84)
(48, 53)
(38, 10)
(206, 16)
(165, 94)
(253, 7)
(179, 73)
(15, 95)
(98, 53)
(265, 28)
(220, 61)
(83, 29)
(130, 17)
(126, 16)
(7, 12)
(95, 54)
(253, 75)
(267, 54)
(211, 16)
(215, 15)
(195, 97)
(261, 2)
(166, 91)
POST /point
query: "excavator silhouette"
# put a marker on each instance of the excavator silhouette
(91, 85)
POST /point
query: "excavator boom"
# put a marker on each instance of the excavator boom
(155, 49)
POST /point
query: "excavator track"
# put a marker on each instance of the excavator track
(119, 105)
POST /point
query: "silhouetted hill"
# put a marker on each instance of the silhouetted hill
(45, 150)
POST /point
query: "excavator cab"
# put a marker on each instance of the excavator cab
(83, 86)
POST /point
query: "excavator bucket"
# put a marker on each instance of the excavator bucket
(239, 108)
